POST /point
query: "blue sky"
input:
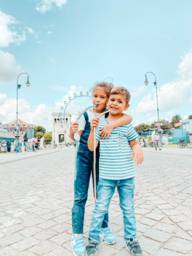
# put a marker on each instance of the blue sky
(69, 45)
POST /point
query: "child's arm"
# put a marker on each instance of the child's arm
(73, 130)
(94, 125)
(138, 155)
(106, 131)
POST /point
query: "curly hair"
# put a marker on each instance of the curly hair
(105, 85)
(122, 91)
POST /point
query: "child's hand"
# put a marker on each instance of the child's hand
(106, 131)
(94, 123)
(138, 155)
(74, 127)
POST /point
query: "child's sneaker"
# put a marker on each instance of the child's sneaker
(108, 236)
(78, 245)
(133, 247)
(91, 248)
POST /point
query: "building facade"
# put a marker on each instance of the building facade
(61, 129)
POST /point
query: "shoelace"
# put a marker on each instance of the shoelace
(134, 246)
(91, 247)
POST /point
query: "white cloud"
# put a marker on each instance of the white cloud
(8, 34)
(46, 5)
(185, 67)
(172, 96)
(9, 68)
(40, 115)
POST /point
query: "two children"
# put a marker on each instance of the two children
(116, 170)
(84, 166)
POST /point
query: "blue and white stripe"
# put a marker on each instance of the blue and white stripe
(116, 162)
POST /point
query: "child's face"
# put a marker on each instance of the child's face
(99, 99)
(117, 104)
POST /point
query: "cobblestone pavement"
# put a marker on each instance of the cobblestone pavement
(36, 199)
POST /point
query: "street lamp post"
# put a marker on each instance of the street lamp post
(18, 86)
(156, 89)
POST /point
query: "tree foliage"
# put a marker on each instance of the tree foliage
(142, 127)
(175, 119)
(48, 137)
(39, 131)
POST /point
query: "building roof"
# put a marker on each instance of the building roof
(21, 123)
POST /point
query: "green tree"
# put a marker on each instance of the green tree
(165, 125)
(39, 131)
(48, 137)
(142, 127)
(39, 135)
(175, 119)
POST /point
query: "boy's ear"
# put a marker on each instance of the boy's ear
(127, 106)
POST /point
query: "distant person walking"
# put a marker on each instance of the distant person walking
(156, 141)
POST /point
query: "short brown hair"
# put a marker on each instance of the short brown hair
(105, 85)
(122, 91)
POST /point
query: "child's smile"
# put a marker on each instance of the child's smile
(116, 104)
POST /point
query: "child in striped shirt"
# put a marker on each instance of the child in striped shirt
(116, 166)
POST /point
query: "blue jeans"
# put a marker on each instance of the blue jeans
(106, 189)
(84, 169)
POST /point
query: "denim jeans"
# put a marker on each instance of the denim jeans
(84, 169)
(105, 190)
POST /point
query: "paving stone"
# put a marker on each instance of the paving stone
(107, 250)
(186, 225)
(45, 234)
(31, 220)
(169, 228)
(11, 239)
(148, 222)
(165, 252)
(25, 244)
(60, 251)
(13, 229)
(179, 245)
(8, 251)
(26, 253)
(43, 247)
(40, 198)
(47, 224)
(157, 235)
(27, 232)
(150, 246)
(61, 238)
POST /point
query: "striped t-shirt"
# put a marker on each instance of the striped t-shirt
(116, 161)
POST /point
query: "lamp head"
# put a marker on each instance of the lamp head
(28, 84)
(146, 82)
